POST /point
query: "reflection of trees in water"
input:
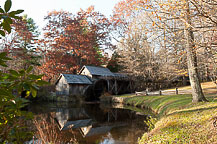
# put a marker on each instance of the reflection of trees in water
(119, 125)
(47, 130)
(16, 131)
(131, 132)
(107, 114)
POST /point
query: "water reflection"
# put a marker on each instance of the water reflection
(87, 124)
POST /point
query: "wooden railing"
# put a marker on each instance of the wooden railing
(165, 92)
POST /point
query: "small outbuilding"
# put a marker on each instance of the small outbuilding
(69, 84)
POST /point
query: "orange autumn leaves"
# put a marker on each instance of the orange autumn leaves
(72, 41)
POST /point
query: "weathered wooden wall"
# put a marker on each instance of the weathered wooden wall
(77, 89)
(86, 72)
(62, 87)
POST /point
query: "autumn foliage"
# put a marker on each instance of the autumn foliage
(20, 44)
(71, 41)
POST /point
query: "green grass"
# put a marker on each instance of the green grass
(179, 120)
(140, 110)
(161, 104)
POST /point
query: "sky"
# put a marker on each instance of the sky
(38, 9)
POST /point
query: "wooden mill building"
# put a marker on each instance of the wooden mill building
(96, 72)
(92, 82)
(74, 85)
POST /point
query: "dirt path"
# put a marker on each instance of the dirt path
(208, 88)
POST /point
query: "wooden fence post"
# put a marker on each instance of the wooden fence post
(116, 89)
(177, 92)
(146, 92)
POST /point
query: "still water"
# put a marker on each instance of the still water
(87, 123)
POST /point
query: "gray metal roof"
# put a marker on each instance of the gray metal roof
(120, 75)
(77, 79)
(101, 71)
(75, 124)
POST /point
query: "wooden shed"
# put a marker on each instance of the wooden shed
(69, 84)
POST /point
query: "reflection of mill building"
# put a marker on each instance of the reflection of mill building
(87, 123)
(91, 83)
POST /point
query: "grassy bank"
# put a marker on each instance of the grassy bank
(179, 121)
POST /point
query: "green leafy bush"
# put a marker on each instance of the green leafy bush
(13, 84)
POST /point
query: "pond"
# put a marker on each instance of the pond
(87, 123)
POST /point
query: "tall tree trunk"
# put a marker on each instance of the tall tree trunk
(197, 92)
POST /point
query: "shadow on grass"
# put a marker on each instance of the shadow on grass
(162, 105)
(181, 103)
(212, 98)
(194, 110)
(174, 105)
